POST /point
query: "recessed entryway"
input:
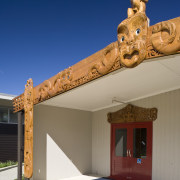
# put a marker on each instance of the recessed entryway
(131, 151)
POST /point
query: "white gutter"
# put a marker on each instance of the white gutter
(7, 96)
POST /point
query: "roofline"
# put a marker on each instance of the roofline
(104, 62)
(7, 96)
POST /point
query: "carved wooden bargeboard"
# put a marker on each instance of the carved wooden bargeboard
(129, 51)
(28, 133)
(133, 113)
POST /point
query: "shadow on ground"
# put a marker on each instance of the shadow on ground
(102, 179)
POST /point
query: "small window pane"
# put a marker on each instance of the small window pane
(139, 142)
(3, 114)
(13, 117)
(121, 142)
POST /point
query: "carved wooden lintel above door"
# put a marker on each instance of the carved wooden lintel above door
(132, 113)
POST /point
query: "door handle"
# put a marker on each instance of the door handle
(129, 153)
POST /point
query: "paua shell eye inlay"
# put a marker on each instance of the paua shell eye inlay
(122, 38)
(138, 31)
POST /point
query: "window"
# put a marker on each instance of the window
(7, 115)
(139, 142)
(3, 114)
(121, 142)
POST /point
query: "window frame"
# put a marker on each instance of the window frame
(8, 109)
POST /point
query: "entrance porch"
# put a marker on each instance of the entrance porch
(84, 120)
(72, 136)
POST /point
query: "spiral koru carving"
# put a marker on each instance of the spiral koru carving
(108, 58)
(166, 37)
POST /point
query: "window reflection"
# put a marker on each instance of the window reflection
(139, 142)
(3, 114)
(7, 115)
(121, 142)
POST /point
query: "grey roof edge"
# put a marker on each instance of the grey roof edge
(7, 96)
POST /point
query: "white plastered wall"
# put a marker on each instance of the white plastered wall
(62, 143)
(166, 137)
(72, 142)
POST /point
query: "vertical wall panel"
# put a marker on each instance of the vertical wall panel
(166, 137)
(62, 143)
(8, 142)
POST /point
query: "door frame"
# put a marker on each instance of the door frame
(150, 126)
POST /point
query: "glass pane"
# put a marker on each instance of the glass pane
(3, 114)
(139, 142)
(13, 117)
(121, 142)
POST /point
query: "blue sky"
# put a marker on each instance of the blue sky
(39, 38)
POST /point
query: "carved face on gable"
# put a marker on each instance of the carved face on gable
(132, 34)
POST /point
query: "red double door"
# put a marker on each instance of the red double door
(131, 151)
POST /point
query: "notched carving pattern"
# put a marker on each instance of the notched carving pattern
(133, 113)
(151, 52)
(28, 137)
(18, 103)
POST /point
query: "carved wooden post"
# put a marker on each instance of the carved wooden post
(28, 137)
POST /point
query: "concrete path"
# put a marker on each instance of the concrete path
(9, 174)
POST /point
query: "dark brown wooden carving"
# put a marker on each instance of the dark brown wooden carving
(28, 133)
(133, 113)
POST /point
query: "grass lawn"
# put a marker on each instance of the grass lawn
(7, 163)
(22, 178)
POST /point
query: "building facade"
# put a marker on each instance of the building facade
(114, 114)
(80, 142)
(8, 129)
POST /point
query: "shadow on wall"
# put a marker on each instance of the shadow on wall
(62, 143)
(57, 161)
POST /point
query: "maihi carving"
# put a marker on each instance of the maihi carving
(136, 42)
